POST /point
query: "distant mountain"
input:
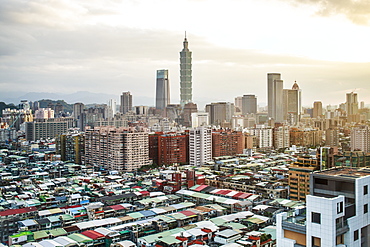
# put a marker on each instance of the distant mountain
(81, 96)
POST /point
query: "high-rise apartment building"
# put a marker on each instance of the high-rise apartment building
(249, 104)
(185, 75)
(44, 113)
(47, 129)
(71, 146)
(200, 146)
(336, 213)
(360, 138)
(78, 109)
(264, 136)
(332, 137)
(299, 177)
(275, 97)
(220, 112)
(169, 148)
(292, 104)
(227, 143)
(121, 149)
(162, 98)
(126, 102)
(317, 109)
(305, 137)
(281, 137)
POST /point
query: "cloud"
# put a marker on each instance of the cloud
(357, 11)
(58, 47)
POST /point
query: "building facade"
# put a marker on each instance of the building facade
(336, 213)
(317, 109)
(249, 104)
(275, 96)
(169, 148)
(200, 146)
(121, 149)
(126, 102)
(292, 104)
(299, 177)
(199, 119)
(227, 143)
(71, 146)
(220, 112)
(47, 129)
(360, 138)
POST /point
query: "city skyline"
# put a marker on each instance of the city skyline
(70, 46)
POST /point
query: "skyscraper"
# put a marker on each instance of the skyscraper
(275, 96)
(351, 104)
(220, 112)
(162, 98)
(185, 75)
(292, 104)
(126, 102)
(317, 109)
(77, 115)
(249, 104)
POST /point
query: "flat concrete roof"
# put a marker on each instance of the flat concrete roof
(349, 172)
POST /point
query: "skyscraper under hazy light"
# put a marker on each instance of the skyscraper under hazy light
(162, 98)
(126, 102)
(185, 75)
(275, 96)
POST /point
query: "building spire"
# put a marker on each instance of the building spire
(185, 43)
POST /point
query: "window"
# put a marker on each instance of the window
(321, 181)
(365, 190)
(316, 242)
(366, 208)
(316, 217)
(340, 240)
(355, 235)
(339, 207)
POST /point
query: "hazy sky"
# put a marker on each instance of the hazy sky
(111, 46)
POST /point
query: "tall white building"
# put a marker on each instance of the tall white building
(264, 136)
(281, 137)
(360, 138)
(336, 213)
(275, 97)
(44, 113)
(199, 119)
(200, 146)
(112, 108)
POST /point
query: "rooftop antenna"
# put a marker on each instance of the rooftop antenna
(185, 34)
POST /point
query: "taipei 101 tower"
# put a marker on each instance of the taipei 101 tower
(185, 75)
